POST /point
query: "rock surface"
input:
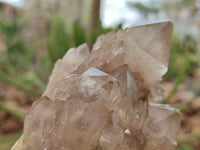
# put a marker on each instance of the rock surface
(100, 101)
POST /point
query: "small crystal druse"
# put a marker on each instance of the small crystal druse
(100, 100)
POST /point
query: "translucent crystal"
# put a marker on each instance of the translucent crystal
(100, 101)
(161, 127)
(133, 46)
(63, 67)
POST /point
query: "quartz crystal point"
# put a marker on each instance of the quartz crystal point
(72, 59)
(100, 101)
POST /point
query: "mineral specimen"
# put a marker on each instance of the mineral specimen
(100, 101)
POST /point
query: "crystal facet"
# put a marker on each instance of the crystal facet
(100, 101)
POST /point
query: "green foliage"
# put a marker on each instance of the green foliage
(15, 47)
(183, 57)
(78, 34)
(8, 140)
(59, 41)
(182, 107)
(16, 62)
(183, 61)
(10, 29)
(185, 148)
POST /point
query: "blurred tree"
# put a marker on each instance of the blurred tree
(94, 22)
(79, 17)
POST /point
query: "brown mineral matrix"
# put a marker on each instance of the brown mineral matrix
(101, 100)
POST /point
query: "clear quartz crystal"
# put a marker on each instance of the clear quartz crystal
(100, 101)
(63, 67)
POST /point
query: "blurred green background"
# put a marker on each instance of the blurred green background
(35, 33)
